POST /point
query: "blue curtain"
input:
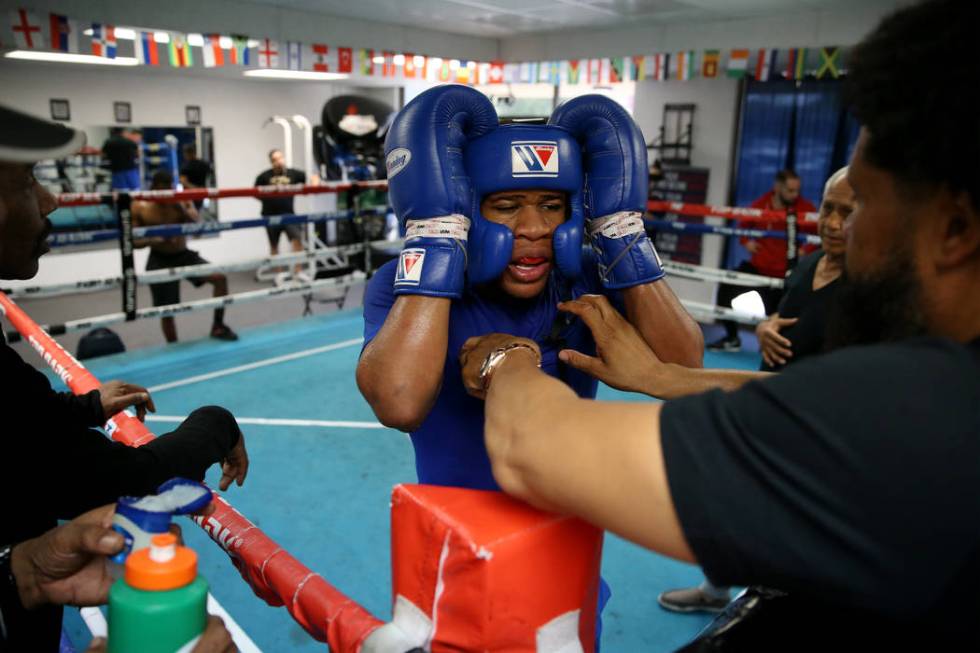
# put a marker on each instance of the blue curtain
(818, 115)
(767, 125)
(788, 124)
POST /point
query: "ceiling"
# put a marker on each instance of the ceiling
(508, 18)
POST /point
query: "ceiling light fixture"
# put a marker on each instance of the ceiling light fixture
(305, 75)
(64, 57)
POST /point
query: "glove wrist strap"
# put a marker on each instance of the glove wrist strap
(617, 225)
(448, 226)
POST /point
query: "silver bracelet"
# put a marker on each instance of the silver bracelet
(494, 358)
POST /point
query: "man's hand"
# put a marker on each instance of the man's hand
(752, 246)
(624, 360)
(776, 349)
(119, 395)
(475, 350)
(235, 465)
(67, 565)
(215, 639)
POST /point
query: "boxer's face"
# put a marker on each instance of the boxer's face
(24, 227)
(837, 205)
(533, 216)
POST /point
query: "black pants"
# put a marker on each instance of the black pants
(726, 293)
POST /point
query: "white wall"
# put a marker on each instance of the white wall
(714, 131)
(234, 108)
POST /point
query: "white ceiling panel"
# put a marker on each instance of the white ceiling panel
(512, 18)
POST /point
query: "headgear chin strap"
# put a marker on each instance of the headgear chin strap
(520, 157)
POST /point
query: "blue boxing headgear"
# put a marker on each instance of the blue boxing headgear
(516, 157)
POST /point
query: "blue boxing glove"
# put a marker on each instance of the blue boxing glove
(616, 182)
(429, 188)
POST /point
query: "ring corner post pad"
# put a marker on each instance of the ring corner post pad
(124, 219)
(478, 570)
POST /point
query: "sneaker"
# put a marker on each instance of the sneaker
(223, 332)
(726, 344)
(303, 277)
(691, 599)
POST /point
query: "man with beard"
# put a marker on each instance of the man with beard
(848, 481)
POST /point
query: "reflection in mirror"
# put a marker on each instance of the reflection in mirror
(125, 158)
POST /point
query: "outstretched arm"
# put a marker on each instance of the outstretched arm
(610, 471)
(625, 361)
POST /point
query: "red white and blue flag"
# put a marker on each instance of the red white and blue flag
(63, 33)
(763, 64)
(146, 49)
(104, 40)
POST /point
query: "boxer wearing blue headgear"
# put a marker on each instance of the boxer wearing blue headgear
(495, 219)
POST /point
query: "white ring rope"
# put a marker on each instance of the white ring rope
(168, 274)
(701, 273)
(345, 281)
(710, 312)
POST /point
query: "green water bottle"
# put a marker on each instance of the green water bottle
(160, 605)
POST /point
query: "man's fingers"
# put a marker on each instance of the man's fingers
(787, 321)
(782, 341)
(784, 352)
(90, 538)
(586, 311)
(215, 638)
(97, 645)
(580, 361)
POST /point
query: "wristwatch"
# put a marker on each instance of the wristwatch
(493, 359)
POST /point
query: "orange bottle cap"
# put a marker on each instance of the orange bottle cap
(161, 566)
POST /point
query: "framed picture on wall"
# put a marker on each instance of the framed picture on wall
(60, 109)
(123, 112)
(193, 115)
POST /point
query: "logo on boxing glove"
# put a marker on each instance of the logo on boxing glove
(534, 158)
(410, 266)
(396, 160)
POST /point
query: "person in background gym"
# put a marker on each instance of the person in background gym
(172, 252)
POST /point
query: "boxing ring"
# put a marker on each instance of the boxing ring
(317, 486)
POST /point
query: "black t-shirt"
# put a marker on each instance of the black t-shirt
(279, 205)
(197, 172)
(851, 481)
(121, 153)
(810, 306)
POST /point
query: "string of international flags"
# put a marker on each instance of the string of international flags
(28, 30)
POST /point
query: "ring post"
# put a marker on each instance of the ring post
(124, 217)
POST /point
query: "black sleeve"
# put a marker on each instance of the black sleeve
(84, 410)
(833, 475)
(259, 181)
(31, 390)
(90, 470)
(299, 177)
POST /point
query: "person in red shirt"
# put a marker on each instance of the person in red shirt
(768, 255)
